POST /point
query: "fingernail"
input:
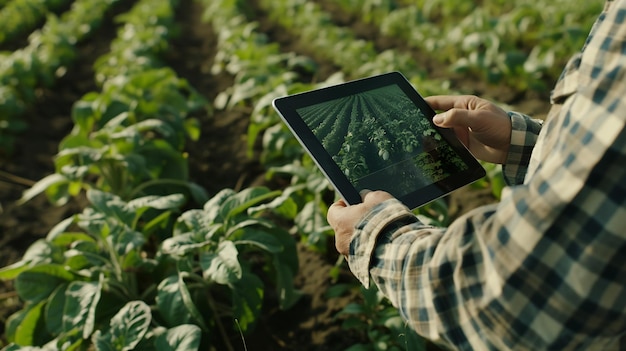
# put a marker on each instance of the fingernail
(438, 119)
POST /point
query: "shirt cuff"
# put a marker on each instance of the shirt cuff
(365, 237)
(524, 133)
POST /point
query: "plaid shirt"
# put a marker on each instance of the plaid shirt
(546, 267)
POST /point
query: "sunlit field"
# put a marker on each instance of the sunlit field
(152, 199)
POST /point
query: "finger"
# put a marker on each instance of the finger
(463, 135)
(441, 102)
(446, 102)
(454, 118)
(337, 206)
(339, 203)
(375, 197)
(334, 211)
(364, 192)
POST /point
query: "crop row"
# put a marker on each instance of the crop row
(129, 108)
(356, 57)
(48, 54)
(170, 276)
(98, 146)
(523, 46)
(21, 16)
(262, 72)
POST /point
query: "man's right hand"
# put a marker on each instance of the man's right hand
(483, 127)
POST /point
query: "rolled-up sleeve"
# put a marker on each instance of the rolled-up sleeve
(524, 133)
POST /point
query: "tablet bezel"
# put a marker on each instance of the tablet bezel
(287, 109)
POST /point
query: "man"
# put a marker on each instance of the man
(546, 267)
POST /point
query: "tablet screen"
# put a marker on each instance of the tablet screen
(380, 138)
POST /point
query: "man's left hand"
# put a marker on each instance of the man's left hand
(343, 218)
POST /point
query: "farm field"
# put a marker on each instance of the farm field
(138, 148)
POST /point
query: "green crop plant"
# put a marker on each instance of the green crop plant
(21, 16)
(49, 52)
(140, 275)
(128, 138)
(378, 323)
(127, 142)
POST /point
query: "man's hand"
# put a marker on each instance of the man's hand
(344, 218)
(484, 128)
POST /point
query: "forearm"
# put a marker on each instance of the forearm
(424, 271)
(384, 218)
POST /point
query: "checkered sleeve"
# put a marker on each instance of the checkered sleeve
(545, 268)
(524, 133)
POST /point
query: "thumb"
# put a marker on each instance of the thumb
(454, 118)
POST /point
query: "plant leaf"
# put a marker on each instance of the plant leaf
(182, 244)
(110, 205)
(198, 193)
(212, 207)
(125, 240)
(157, 202)
(287, 294)
(54, 311)
(413, 341)
(222, 266)
(286, 265)
(127, 328)
(13, 322)
(13, 270)
(60, 228)
(169, 300)
(261, 239)
(192, 221)
(175, 303)
(41, 186)
(189, 303)
(235, 230)
(184, 337)
(245, 199)
(353, 308)
(81, 300)
(283, 205)
(360, 347)
(83, 114)
(68, 239)
(149, 124)
(311, 219)
(37, 283)
(288, 257)
(247, 300)
(31, 326)
(39, 252)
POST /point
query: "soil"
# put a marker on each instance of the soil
(218, 160)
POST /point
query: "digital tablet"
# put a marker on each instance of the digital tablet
(377, 133)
